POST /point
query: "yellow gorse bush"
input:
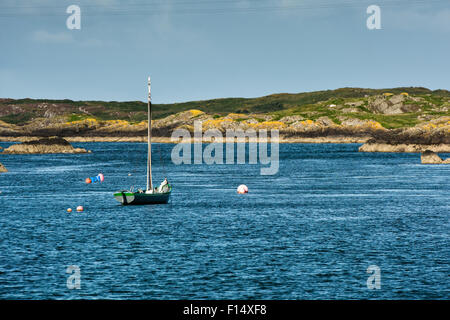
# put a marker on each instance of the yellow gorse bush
(117, 122)
(88, 121)
(267, 125)
(237, 115)
(307, 122)
(195, 112)
(215, 123)
(374, 124)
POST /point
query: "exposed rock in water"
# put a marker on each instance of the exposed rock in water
(2, 168)
(430, 157)
(403, 147)
(44, 145)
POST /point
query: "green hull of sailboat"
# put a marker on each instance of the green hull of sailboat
(137, 198)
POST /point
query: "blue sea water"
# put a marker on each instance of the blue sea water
(308, 232)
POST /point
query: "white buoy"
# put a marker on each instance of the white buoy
(242, 189)
(80, 208)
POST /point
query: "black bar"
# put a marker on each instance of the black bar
(225, 309)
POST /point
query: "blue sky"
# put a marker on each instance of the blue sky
(200, 49)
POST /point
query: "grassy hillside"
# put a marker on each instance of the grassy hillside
(310, 105)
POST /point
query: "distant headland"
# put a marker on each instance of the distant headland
(407, 119)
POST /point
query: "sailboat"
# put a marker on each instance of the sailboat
(151, 195)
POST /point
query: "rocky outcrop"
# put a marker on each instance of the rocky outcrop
(433, 136)
(402, 147)
(430, 157)
(395, 104)
(290, 126)
(8, 129)
(2, 168)
(44, 145)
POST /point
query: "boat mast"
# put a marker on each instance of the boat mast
(149, 139)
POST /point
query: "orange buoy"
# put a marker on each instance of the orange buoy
(88, 180)
(69, 210)
(80, 208)
(242, 189)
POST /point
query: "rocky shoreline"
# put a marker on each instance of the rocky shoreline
(43, 146)
(140, 139)
(430, 157)
(404, 148)
(368, 144)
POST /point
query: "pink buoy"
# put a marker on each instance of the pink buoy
(98, 178)
(80, 208)
(242, 189)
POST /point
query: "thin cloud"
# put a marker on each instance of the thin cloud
(43, 36)
(436, 21)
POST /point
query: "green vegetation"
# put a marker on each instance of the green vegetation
(310, 105)
(391, 121)
(76, 117)
(20, 118)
